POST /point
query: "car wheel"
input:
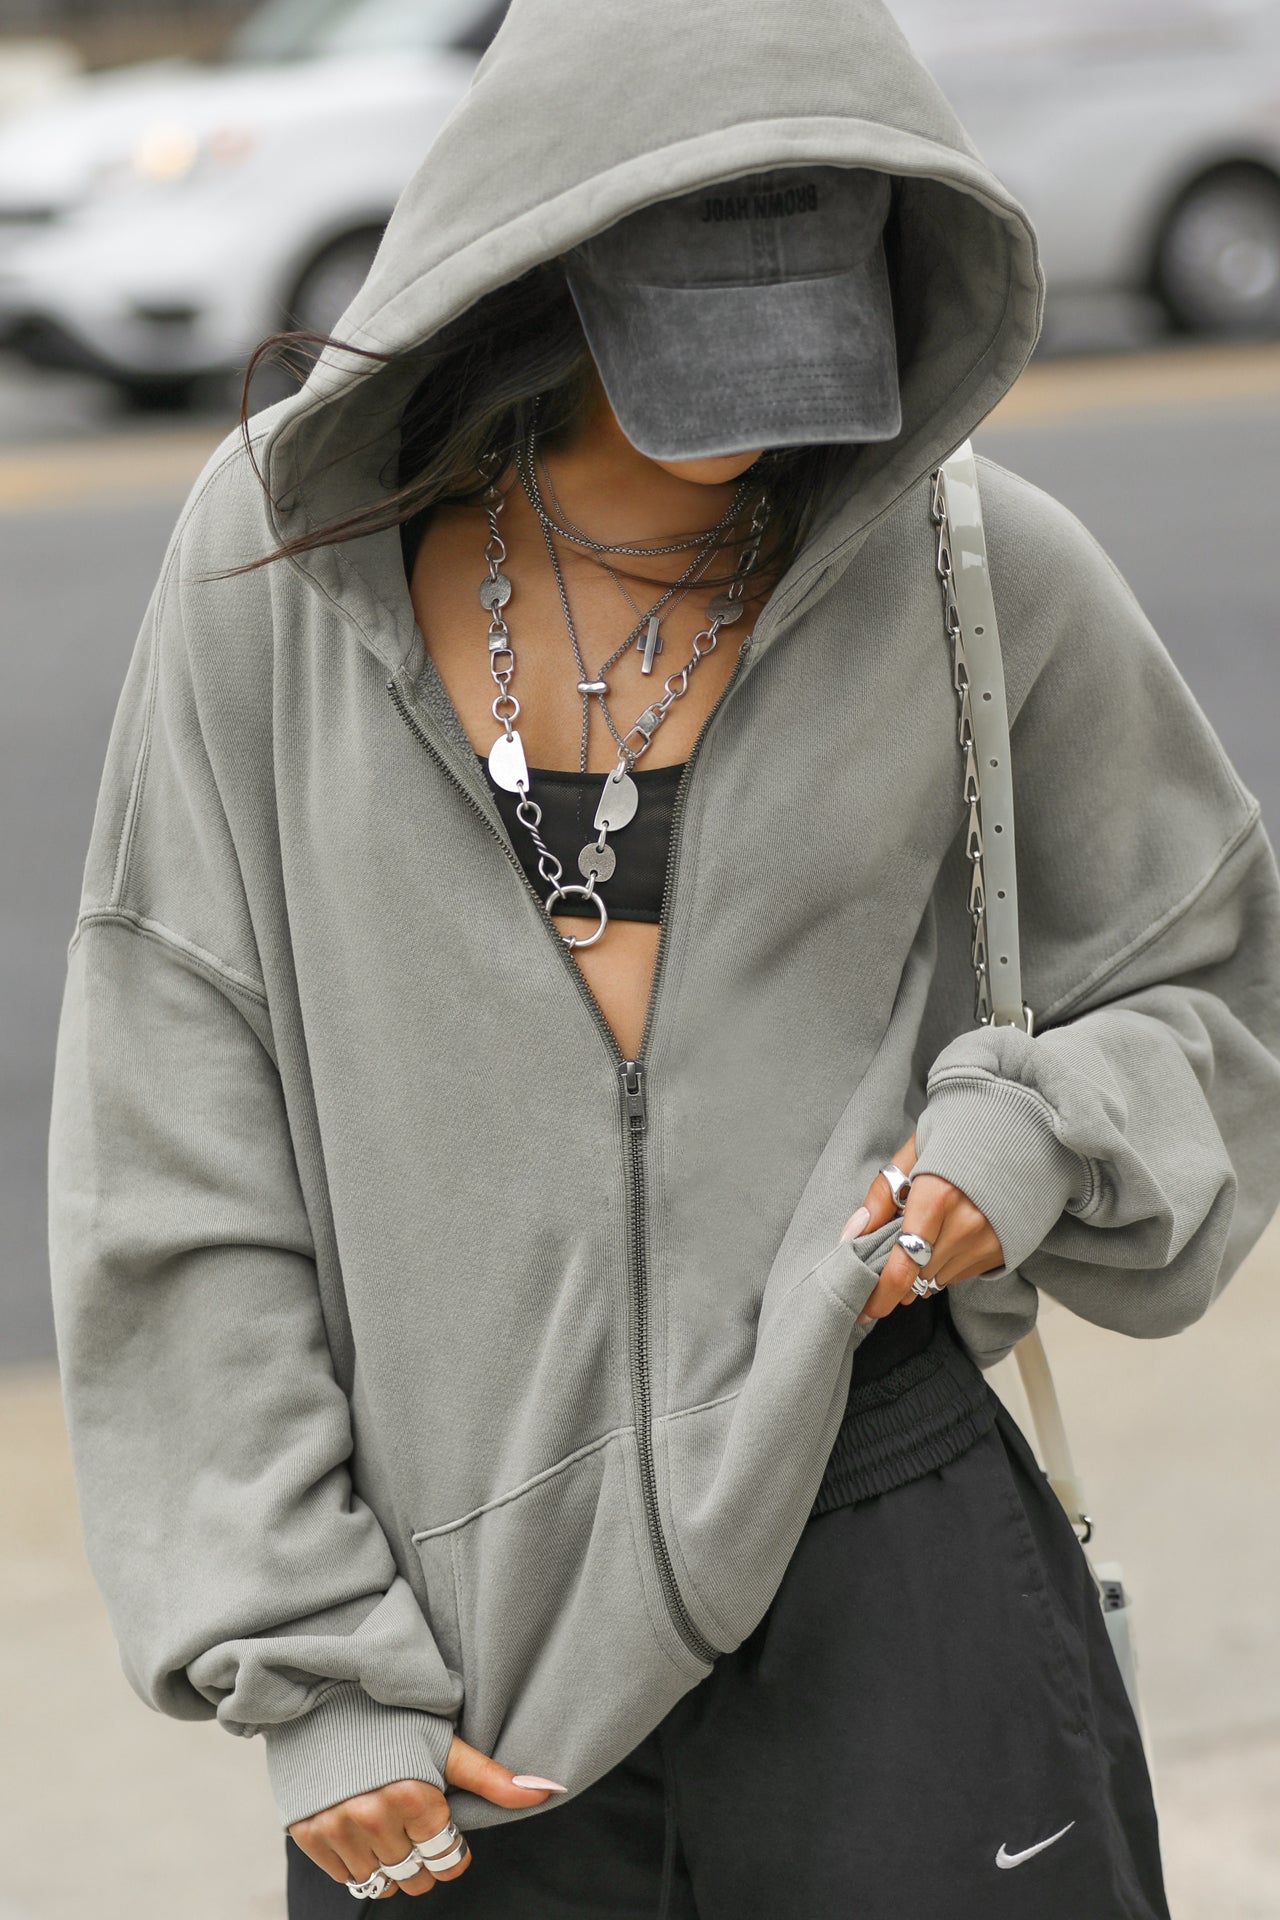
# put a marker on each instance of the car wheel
(329, 285)
(176, 394)
(1218, 263)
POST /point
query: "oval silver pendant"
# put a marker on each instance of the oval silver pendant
(495, 592)
(507, 763)
(598, 860)
(724, 609)
(618, 803)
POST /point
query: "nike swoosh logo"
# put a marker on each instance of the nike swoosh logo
(1006, 1859)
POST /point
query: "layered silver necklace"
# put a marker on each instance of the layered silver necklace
(649, 622)
(620, 797)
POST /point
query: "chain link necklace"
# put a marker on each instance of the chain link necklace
(589, 684)
(652, 620)
(581, 539)
(620, 797)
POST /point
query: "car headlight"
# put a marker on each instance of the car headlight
(168, 152)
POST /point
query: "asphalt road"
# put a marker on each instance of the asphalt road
(1167, 457)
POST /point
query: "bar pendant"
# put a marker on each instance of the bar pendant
(652, 644)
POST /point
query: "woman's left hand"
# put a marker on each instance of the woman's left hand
(963, 1240)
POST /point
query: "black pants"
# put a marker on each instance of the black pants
(927, 1724)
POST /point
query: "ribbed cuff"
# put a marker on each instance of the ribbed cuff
(994, 1139)
(350, 1743)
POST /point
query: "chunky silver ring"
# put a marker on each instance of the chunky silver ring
(405, 1869)
(916, 1248)
(924, 1287)
(439, 1861)
(899, 1184)
(437, 1842)
(369, 1889)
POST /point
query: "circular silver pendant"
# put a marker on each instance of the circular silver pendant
(588, 893)
(725, 609)
(598, 860)
(495, 592)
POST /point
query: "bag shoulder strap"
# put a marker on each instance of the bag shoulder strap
(1055, 1449)
(978, 676)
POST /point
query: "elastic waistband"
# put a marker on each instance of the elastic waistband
(914, 1418)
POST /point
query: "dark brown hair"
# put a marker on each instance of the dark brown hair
(479, 378)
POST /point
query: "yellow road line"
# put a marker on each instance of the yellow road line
(164, 464)
(35, 478)
(1166, 381)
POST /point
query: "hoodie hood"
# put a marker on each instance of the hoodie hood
(547, 149)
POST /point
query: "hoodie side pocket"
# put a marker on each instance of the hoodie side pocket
(543, 1598)
(438, 1558)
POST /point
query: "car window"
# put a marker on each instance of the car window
(311, 29)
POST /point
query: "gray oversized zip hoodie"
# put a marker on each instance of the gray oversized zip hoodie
(427, 1364)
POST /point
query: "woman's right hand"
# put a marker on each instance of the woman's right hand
(349, 1840)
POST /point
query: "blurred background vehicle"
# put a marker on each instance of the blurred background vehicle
(158, 220)
(1143, 136)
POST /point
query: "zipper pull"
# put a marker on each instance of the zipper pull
(633, 1106)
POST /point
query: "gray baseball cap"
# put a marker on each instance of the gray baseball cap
(753, 313)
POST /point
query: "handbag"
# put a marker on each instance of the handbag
(983, 733)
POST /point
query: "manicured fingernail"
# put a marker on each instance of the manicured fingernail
(857, 1225)
(864, 1319)
(536, 1780)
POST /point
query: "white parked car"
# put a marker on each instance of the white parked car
(157, 222)
(1142, 136)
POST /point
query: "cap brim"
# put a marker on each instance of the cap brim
(693, 372)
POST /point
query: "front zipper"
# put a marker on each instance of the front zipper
(634, 1119)
(634, 1116)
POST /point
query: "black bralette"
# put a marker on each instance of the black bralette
(569, 802)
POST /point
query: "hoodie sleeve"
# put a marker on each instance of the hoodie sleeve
(244, 1576)
(1127, 1153)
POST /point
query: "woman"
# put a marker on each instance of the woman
(481, 1373)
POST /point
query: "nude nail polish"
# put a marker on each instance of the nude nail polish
(857, 1225)
(535, 1780)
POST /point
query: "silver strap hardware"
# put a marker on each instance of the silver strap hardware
(977, 672)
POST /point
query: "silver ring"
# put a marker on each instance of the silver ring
(924, 1287)
(440, 1844)
(405, 1869)
(899, 1184)
(916, 1248)
(440, 1861)
(369, 1889)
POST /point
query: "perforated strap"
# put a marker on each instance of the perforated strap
(980, 633)
(971, 583)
